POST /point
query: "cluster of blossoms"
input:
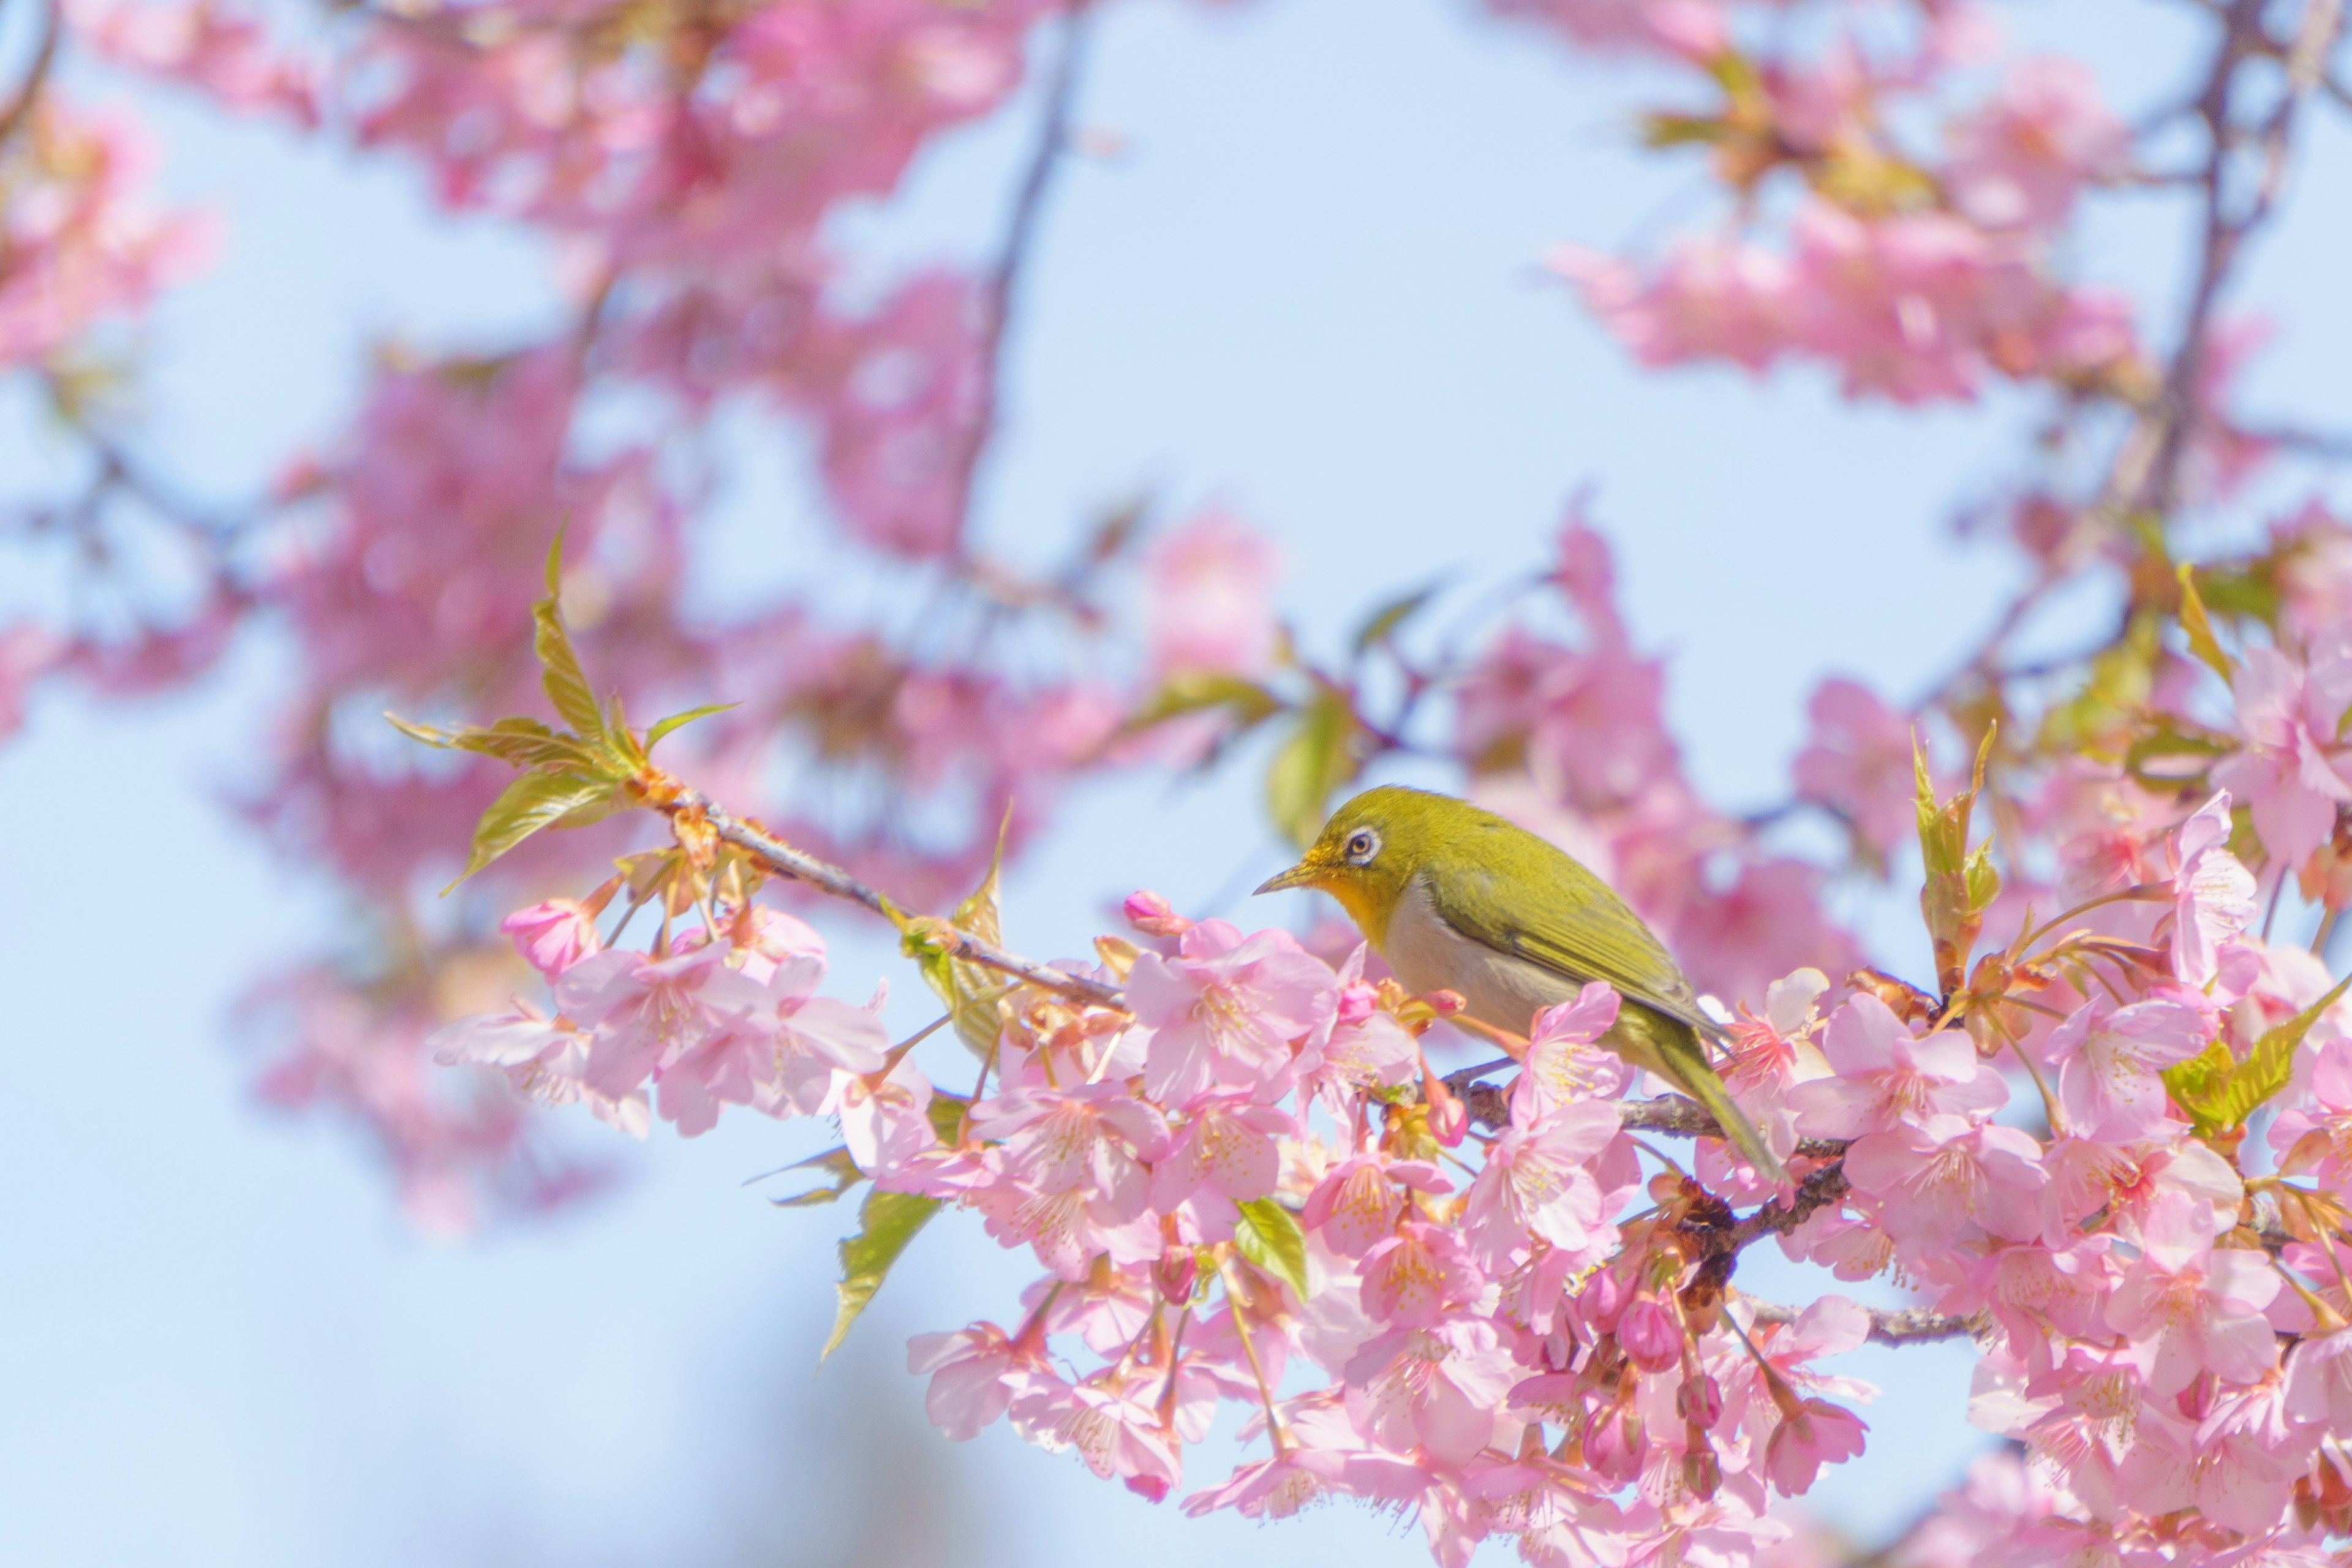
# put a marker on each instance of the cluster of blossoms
(687, 165)
(1495, 1305)
(2113, 1149)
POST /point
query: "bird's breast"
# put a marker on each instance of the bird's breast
(1428, 954)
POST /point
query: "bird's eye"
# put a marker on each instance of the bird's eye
(1363, 844)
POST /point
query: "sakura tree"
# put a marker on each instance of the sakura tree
(2105, 1137)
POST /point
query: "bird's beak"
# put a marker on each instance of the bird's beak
(1306, 874)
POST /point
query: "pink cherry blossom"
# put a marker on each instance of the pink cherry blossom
(553, 936)
(1226, 1012)
(2191, 1307)
(1933, 1176)
(1210, 589)
(975, 1374)
(1812, 1432)
(1416, 1275)
(1358, 1201)
(1435, 1388)
(1885, 1073)
(2108, 1060)
(1858, 762)
(1564, 1064)
(2289, 712)
(2214, 894)
(2019, 160)
(1536, 1186)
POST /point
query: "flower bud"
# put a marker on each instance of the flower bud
(1700, 1401)
(1701, 1473)
(1649, 1337)
(1176, 1273)
(1603, 1299)
(553, 935)
(1449, 1118)
(1612, 1446)
(1150, 914)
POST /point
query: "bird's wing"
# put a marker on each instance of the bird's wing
(1583, 932)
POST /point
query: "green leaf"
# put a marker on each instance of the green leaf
(947, 1113)
(560, 672)
(1268, 1237)
(1660, 131)
(680, 721)
(2200, 628)
(2220, 1092)
(519, 743)
(971, 991)
(1960, 883)
(1198, 690)
(886, 1223)
(533, 801)
(1385, 622)
(1317, 759)
(841, 1171)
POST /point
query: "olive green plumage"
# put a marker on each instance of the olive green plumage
(1458, 899)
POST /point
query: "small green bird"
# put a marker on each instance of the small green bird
(1457, 898)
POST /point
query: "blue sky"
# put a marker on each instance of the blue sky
(1310, 288)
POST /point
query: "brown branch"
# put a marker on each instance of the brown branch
(1020, 236)
(827, 878)
(1904, 1326)
(20, 108)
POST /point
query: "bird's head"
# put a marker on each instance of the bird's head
(1368, 852)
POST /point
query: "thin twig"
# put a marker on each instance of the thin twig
(20, 107)
(1020, 236)
(827, 878)
(1904, 1326)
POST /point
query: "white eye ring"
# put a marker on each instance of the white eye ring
(1363, 844)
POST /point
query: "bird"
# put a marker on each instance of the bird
(1457, 898)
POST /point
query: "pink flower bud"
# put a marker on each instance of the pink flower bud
(1649, 1337)
(1152, 1489)
(1449, 1118)
(1603, 1300)
(1176, 1273)
(553, 936)
(1150, 914)
(1700, 1401)
(1701, 1472)
(1612, 1446)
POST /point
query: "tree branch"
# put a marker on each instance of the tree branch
(1020, 236)
(20, 107)
(827, 878)
(1906, 1326)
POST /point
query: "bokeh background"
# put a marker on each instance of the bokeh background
(1298, 271)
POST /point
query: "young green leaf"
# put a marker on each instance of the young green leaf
(2220, 1092)
(1319, 757)
(680, 721)
(1383, 623)
(841, 1174)
(1197, 690)
(2200, 628)
(1268, 1237)
(533, 801)
(560, 672)
(886, 1223)
(971, 991)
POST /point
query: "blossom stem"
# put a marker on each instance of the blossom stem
(1274, 1434)
(2136, 892)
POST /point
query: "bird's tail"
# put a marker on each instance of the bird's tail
(1672, 1049)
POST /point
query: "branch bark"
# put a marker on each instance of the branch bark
(1905, 1326)
(828, 879)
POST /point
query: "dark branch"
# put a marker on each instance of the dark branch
(787, 861)
(1906, 1326)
